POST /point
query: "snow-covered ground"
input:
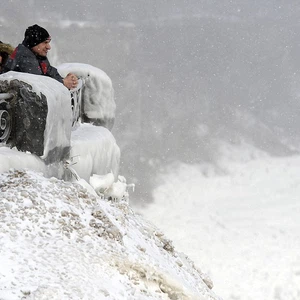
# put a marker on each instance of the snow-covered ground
(241, 225)
(57, 241)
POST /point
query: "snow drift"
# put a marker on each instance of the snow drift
(58, 241)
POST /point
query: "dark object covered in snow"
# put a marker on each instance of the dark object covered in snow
(23, 116)
(38, 114)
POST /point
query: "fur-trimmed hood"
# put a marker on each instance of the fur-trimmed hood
(7, 48)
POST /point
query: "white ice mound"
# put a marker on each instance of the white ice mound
(106, 187)
(57, 241)
(94, 151)
(101, 183)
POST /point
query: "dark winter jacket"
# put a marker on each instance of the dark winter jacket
(24, 60)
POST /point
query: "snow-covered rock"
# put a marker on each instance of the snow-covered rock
(42, 114)
(93, 151)
(100, 183)
(57, 241)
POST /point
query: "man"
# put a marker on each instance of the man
(31, 57)
(5, 51)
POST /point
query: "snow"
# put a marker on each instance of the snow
(94, 151)
(11, 158)
(102, 182)
(240, 225)
(57, 241)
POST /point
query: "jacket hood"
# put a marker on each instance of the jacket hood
(6, 48)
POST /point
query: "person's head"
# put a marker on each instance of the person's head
(37, 39)
(5, 51)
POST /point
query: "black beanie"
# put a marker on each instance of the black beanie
(35, 35)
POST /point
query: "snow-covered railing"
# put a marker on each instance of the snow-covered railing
(76, 102)
(98, 105)
(38, 114)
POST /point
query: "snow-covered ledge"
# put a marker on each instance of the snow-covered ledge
(45, 128)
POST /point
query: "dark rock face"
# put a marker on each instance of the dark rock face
(29, 113)
(28, 116)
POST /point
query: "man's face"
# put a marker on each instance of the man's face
(42, 48)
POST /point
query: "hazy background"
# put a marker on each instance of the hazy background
(189, 76)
